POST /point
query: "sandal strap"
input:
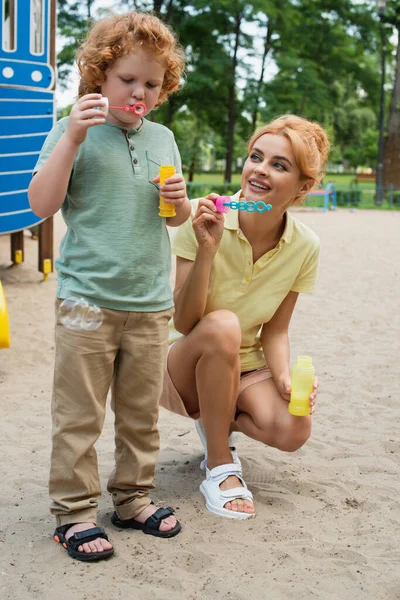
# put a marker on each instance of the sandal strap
(154, 521)
(82, 537)
(223, 471)
(236, 493)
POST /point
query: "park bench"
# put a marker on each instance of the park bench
(360, 177)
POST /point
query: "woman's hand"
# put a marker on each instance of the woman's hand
(285, 388)
(208, 224)
(84, 115)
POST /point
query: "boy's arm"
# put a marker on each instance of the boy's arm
(174, 192)
(182, 213)
(48, 187)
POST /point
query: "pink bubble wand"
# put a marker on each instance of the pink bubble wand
(137, 109)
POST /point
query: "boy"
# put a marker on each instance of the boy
(102, 171)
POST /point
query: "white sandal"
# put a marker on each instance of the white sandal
(231, 442)
(216, 498)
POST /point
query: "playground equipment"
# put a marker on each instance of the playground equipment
(27, 114)
(224, 203)
(4, 327)
(329, 194)
(362, 177)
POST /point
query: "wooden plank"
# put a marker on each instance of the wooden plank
(17, 247)
(46, 243)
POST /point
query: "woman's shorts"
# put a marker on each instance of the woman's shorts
(171, 400)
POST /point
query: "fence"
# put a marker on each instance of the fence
(351, 196)
(355, 196)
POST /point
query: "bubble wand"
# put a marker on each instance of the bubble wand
(224, 203)
(138, 109)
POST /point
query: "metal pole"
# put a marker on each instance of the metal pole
(380, 192)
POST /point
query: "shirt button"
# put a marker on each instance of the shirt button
(131, 147)
(135, 162)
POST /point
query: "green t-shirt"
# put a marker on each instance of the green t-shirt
(116, 251)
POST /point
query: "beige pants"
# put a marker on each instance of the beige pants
(128, 354)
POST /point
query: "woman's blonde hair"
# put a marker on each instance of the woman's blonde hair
(309, 142)
(114, 37)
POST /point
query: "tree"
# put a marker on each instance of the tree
(391, 149)
(73, 21)
(325, 55)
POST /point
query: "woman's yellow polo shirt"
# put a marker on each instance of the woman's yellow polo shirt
(252, 291)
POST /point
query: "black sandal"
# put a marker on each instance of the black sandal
(151, 526)
(81, 537)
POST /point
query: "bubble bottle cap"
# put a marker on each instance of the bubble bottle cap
(304, 361)
(103, 106)
(165, 172)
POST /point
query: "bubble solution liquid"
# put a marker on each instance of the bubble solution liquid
(303, 374)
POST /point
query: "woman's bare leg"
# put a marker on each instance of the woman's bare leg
(264, 416)
(205, 369)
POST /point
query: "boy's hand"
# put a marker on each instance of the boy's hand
(84, 115)
(174, 189)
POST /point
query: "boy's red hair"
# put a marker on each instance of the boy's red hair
(114, 37)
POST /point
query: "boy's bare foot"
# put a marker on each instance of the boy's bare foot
(238, 505)
(97, 545)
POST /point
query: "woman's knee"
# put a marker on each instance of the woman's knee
(222, 333)
(287, 438)
(295, 436)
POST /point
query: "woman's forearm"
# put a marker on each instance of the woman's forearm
(48, 187)
(277, 355)
(191, 298)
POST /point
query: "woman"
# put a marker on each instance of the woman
(238, 277)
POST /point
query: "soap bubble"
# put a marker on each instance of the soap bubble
(78, 314)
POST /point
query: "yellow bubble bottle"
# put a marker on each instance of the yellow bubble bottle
(165, 209)
(303, 374)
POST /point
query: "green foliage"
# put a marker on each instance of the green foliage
(326, 67)
(63, 112)
(73, 20)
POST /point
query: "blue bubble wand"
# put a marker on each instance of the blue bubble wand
(224, 203)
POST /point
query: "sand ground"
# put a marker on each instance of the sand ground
(328, 521)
